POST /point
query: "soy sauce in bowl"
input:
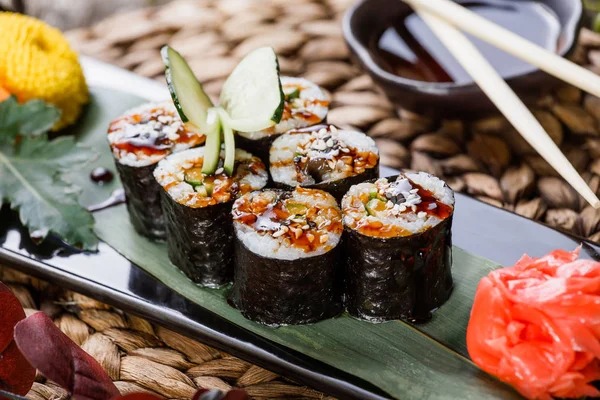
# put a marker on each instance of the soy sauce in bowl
(408, 48)
(413, 68)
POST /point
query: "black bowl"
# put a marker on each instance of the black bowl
(367, 20)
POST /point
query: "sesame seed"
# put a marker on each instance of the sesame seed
(389, 204)
(414, 208)
(330, 143)
(333, 129)
(278, 233)
(305, 227)
(414, 190)
(219, 171)
(324, 238)
(345, 149)
(310, 237)
(402, 208)
(322, 131)
(297, 232)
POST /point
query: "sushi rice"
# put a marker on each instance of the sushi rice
(249, 174)
(301, 158)
(402, 213)
(288, 225)
(148, 133)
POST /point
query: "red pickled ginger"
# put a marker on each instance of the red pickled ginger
(536, 326)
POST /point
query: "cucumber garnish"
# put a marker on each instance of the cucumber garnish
(292, 94)
(188, 96)
(372, 205)
(229, 140)
(201, 190)
(212, 147)
(251, 100)
(194, 176)
(296, 208)
(252, 95)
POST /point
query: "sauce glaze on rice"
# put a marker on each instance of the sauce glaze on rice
(301, 223)
(249, 174)
(324, 154)
(146, 134)
(412, 203)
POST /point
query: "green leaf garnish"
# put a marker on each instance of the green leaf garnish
(32, 170)
(32, 118)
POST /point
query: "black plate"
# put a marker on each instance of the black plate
(107, 276)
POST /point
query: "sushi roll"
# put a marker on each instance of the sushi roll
(139, 139)
(287, 267)
(398, 247)
(305, 105)
(325, 158)
(197, 211)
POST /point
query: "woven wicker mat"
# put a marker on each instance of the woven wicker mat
(484, 158)
(140, 356)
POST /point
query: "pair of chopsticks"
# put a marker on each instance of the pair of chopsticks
(444, 17)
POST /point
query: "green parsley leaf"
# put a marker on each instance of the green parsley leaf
(32, 118)
(32, 174)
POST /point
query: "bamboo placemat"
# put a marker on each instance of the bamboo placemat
(484, 158)
(140, 356)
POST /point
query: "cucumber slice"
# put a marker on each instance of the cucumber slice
(212, 147)
(229, 138)
(252, 95)
(201, 190)
(188, 96)
(296, 208)
(292, 94)
(194, 176)
(372, 206)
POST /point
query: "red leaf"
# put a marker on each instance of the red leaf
(16, 375)
(215, 394)
(59, 359)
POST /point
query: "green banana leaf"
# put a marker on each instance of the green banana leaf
(426, 361)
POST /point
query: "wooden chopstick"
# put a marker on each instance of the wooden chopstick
(478, 26)
(492, 84)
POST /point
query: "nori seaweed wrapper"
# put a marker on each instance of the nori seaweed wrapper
(258, 147)
(340, 187)
(399, 277)
(200, 240)
(287, 292)
(143, 200)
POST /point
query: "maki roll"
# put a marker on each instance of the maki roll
(197, 211)
(398, 247)
(139, 139)
(324, 158)
(287, 257)
(305, 105)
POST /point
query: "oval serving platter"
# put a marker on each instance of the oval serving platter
(434, 351)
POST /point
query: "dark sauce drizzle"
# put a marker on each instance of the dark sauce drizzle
(117, 197)
(101, 176)
(430, 204)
